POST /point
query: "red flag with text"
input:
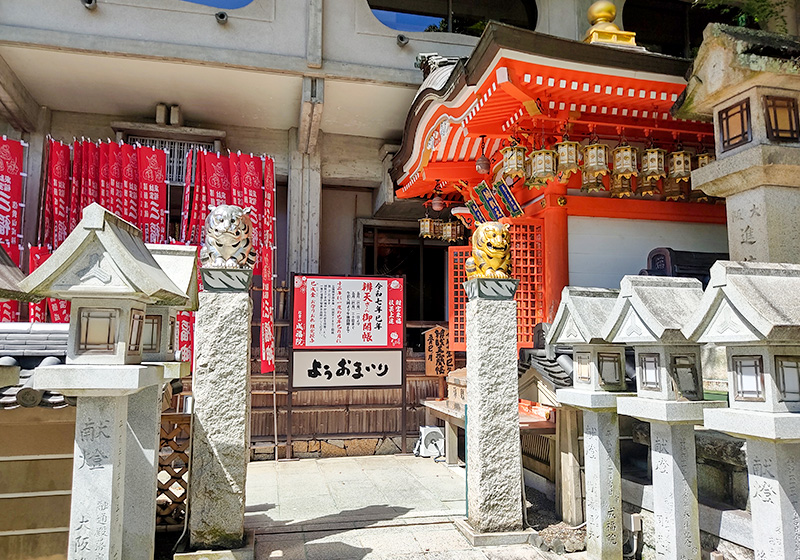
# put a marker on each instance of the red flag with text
(152, 194)
(267, 259)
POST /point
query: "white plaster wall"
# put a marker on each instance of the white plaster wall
(603, 250)
(340, 208)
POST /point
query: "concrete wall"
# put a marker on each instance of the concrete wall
(340, 208)
(603, 250)
(36, 449)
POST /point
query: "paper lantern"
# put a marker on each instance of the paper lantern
(653, 161)
(567, 158)
(595, 159)
(626, 161)
(514, 161)
(680, 165)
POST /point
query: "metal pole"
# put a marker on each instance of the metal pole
(449, 16)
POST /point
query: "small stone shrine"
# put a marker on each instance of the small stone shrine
(221, 384)
(648, 315)
(752, 308)
(110, 277)
(598, 381)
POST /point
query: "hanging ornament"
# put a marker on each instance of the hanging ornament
(647, 188)
(590, 184)
(513, 160)
(543, 164)
(653, 161)
(621, 186)
(680, 164)
(595, 158)
(704, 159)
(673, 190)
(625, 160)
(567, 158)
(426, 229)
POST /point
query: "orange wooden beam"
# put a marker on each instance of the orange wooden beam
(637, 209)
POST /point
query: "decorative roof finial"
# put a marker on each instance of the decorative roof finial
(603, 30)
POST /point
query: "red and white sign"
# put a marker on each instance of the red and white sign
(36, 257)
(11, 154)
(56, 217)
(347, 312)
(218, 178)
(130, 183)
(152, 219)
(267, 228)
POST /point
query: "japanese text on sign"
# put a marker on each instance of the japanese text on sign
(348, 312)
(346, 369)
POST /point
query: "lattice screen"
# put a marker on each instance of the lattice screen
(527, 261)
(458, 299)
(176, 158)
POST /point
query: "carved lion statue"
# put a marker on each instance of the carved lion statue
(491, 252)
(228, 243)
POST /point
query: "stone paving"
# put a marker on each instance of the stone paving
(363, 508)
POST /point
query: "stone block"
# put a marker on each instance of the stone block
(328, 449)
(83, 380)
(590, 400)
(673, 412)
(313, 446)
(501, 538)
(299, 447)
(387, 447)
(361, 447)
(745, 423)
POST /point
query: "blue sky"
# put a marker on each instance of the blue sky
(405, 22)
(222, 4)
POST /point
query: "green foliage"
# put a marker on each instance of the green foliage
(461, 26)
(761, 12)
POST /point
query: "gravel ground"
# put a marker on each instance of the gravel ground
(542, 517)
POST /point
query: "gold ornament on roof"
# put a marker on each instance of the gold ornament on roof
(604, 30)
(491, 252)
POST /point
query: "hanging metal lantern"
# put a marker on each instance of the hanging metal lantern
(680, 165)
(621, 186)
(647, 188)
(595, 159)
(514, 161)
(426, 227)
(696, 195)
(626, 162)
(653, 161)
(704, 159)
(590, 184)
(567, 158)
(673, 190)
(543, 165)
(437, 228)
(450, 231)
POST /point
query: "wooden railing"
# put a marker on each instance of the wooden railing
(173, 469)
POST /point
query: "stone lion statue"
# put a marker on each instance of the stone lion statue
(491, 252)
(228, 241)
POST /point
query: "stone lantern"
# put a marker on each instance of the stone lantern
(110, 277)
(649, 315)
(751, 309)
(598, 379)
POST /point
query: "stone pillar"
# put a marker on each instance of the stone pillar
(98, 479)
(675, 491)
(494, 472)
(774, 477)
(603, 485)
(141, 473)
(221, 437)
(762, 224)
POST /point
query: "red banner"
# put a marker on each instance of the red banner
(152, 194)
(130, 184)
(59, 310)
(9, 310)
(253, 187)
(37, 311)
(104, 196)
(199, 203)
(185, 326)
(237, 194)
(90, 183)
(186, 202)
(76, 186)
(115, 178)
(267, 226)
(218, 178)
(11, 155)
(57, 202)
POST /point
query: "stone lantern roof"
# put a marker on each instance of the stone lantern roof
(10, 277)
(652, 309)
(748, 302)
(580, 316)
(104, 257)
(179, 262)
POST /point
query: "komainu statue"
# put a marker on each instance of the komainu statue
(228, 243)
(491, 252)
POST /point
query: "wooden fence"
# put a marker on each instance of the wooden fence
(173, 470)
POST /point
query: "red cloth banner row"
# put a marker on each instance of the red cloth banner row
(243, 180)
(12, 153)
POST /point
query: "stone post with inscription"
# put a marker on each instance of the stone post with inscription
(104, 268)
(221, 387)
(648, 315)
(494, 471)
(752, 309)
(598, 381)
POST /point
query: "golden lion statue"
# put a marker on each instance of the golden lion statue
(491, 252)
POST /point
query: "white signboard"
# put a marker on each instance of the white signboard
(347, 369)
(345, 312)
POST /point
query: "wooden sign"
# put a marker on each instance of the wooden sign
(438, 357)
